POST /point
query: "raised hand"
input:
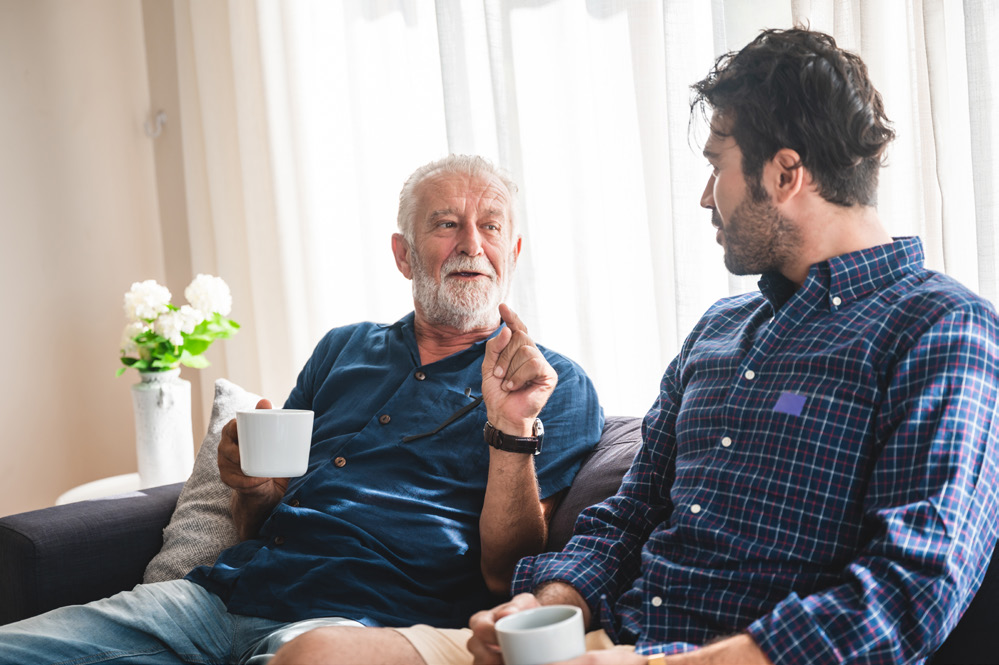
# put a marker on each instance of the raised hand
(516, 378)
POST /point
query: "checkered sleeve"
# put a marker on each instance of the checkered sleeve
(603, 557)
(930, 518)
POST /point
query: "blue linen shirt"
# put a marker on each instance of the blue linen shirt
(819, 470)
(384, 526)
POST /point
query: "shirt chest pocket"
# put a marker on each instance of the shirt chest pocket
(831, 413)
(447, 438)
(811, 451)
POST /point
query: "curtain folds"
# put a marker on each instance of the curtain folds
(302, 119)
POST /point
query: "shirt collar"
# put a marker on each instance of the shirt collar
(407, 329)
(849, 276)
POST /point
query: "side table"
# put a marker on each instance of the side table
(128, 482)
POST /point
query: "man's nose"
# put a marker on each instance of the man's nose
(708, 195)
(470, 240)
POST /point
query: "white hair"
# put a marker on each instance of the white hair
(471, 165)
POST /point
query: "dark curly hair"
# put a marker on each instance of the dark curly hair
(796, 89)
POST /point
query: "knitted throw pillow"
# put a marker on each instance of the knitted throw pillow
(201, 526)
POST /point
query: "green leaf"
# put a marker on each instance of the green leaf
(197, 362)
(157, 353)
(121, 370)
(195, 345)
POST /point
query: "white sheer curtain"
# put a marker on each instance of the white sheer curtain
(586, 103)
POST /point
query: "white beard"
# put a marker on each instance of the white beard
(458, 304)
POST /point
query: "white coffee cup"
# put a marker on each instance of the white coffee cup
(274, 443)
(542, 635)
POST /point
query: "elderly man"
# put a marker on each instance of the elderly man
(424, 487)
(818, 477)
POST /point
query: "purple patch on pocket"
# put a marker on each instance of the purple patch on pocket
(790, 403)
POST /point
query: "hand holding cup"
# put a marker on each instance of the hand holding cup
(546, 634)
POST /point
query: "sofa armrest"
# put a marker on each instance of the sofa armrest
(79, 552)
(599, 477)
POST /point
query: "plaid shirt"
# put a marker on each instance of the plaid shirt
(819, 470)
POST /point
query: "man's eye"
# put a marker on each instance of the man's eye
(447, 225)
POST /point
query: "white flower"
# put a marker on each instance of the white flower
(170, 325)
(133, 329)
(190, 318)
(146, 300)
(209, 294)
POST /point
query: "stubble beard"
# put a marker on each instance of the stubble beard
(758, 239)
(458, 304)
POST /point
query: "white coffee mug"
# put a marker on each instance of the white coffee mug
(274, 443)
(542, 635)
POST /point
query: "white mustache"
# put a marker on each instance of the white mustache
(467, 264)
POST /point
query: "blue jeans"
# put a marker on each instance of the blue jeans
(168, 622)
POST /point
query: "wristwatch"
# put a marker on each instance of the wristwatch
(529, 445)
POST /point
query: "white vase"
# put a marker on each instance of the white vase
(163, 442)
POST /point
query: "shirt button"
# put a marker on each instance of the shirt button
(279, 540)
(420, 376)
(750, 374)
(385, 419)
(696, 508)
(837, 301)
(726, 441)
(294, 503)
(340, 462)
(656, 601)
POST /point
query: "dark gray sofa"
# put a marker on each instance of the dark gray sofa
(83, 551)
(92, 549)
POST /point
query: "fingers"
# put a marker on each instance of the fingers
(528, 367)
(511, 319)
(228, 455)
(483, 644)
(520, 365)
(230, 471)
(229, 442)
(517, 353)
(493, 349)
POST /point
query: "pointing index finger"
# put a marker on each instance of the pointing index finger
(513, 321)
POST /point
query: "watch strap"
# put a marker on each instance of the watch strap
(527, 445)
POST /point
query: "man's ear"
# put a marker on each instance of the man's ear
(516, 248)
(786, 175)
(401, 251)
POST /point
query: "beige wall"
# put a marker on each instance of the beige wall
(80, 221)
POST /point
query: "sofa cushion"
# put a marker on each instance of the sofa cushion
(599, 477)
(201, 526)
